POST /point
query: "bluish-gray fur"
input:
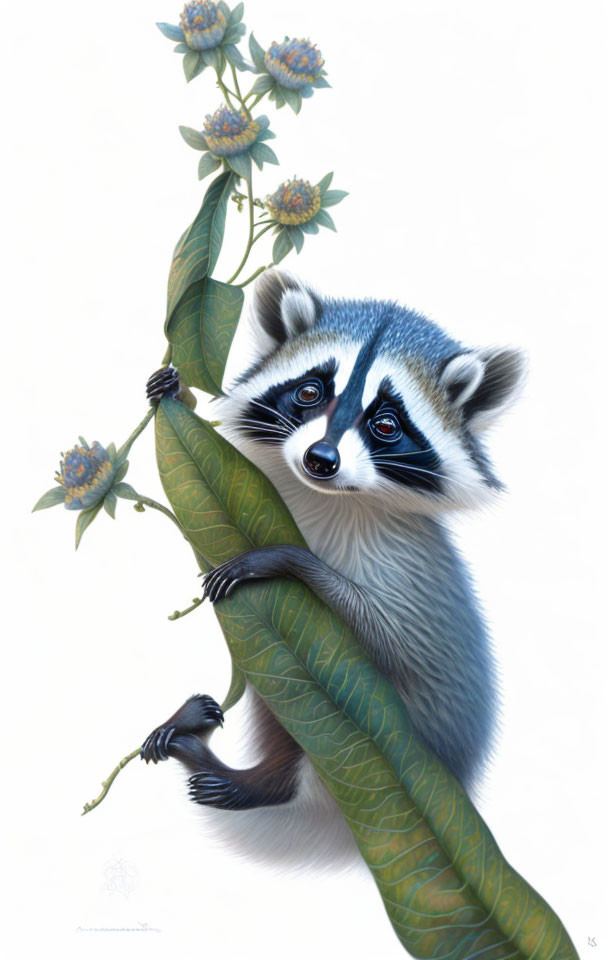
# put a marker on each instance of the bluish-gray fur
(396, 329)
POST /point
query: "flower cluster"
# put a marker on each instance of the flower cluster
(86, 475)
(232, 138)
(203, 25)
(88, 478)
(289, 71)
(207, 36)
(298, 207)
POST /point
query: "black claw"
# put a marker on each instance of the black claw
(163, 383)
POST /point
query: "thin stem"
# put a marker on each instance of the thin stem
(155, 505)
(253, 276)
(224, 89)
(106, 784)
(250, 238)
(262, 232)
(238, 90)
(258, 97)
(196, 602)
(124, 450)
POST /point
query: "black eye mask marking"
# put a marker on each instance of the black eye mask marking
(274, 415)
(403, 455)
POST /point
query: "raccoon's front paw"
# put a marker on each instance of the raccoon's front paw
(163, 383)
(255, 564)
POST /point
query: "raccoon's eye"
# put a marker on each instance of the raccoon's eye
(308, 393)
(385, 426)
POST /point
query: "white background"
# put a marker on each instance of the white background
(471, 137)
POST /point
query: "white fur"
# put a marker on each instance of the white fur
(298, 311)
(467, 370)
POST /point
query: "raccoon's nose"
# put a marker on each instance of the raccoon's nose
(321, 460)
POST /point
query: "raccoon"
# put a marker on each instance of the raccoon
(367, 418)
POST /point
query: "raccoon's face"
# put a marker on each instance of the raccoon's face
(346, 414)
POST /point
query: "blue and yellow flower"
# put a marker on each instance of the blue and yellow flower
(88, 478)
(232, 139)
(207, 36)
(290, 70)
(298, 207)
(85, 474)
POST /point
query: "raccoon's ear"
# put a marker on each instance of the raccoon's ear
(283, 306)
(483, 383)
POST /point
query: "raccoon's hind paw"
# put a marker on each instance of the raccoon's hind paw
(198, 716)
(163, 383)
(156, 744)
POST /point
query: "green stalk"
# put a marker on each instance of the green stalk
(106, 784)
(254, 275)
(250, 238)
(224, 89)
(155, 505)
(124, 450)
(238, 91)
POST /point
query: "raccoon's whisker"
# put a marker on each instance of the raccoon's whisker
(274, 427)
(411, 453)
(432, 473)
(288, 421)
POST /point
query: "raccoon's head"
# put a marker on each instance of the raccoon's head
(367, 398)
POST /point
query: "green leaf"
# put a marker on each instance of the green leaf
(257, 53)
(262, 154)
(85, 519)
(241, 164)
(173, 33)
(276, 94)
(238, 685)
(236, 15)
(263, 84)
(51, 498)
(445, 884)
(194, 138)
(192, 64)
(233, 35)
(109, 503)
(198, 248)
(201, 331)
(320, 82)
(325, 220)
(309, 227)
(126, 491)
(325, 182)
(265, 135)
(232, 53)
(293, 98)
(121, 470)
(281, 247)
(207, 164)
(214, 58)
(181, 48)
(297, 238)
(331, 197)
